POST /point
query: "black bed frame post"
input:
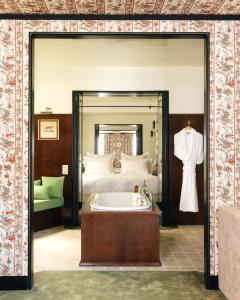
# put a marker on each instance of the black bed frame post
(139, 139)
(75, 152)
(96, 139)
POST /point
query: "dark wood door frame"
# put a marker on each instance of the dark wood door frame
(211, 282)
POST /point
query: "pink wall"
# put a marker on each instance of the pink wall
(224, 121)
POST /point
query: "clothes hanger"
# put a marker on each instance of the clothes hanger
(188, 127)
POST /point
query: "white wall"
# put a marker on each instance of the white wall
(54, 84)
(90, 119)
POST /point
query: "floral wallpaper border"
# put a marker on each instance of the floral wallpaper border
(224, 121)
(111, 7)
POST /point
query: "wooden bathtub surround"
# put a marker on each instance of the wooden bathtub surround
(120, 238)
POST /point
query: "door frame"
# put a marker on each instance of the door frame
(76, 95)
(211, 282)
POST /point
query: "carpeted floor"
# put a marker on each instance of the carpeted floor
(58, 248)
(88, 285)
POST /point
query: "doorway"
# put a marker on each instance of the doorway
(154, 36)
(158, 137)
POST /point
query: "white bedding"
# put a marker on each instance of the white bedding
(95, 183)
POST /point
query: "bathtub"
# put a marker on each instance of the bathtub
(122, 201)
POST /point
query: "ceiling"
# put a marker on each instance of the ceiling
(119, 52)
(113, 7)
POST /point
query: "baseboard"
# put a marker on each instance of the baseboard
(14, 283)
(71, 225)
(211, 282)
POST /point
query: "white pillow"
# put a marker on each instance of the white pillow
(95, 165)
(135, 166)
(141, 156)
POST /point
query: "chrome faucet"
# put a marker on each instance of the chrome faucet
(145, 194)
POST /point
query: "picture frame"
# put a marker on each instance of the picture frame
(48, 129)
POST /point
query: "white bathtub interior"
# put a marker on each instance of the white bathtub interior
(119, 201)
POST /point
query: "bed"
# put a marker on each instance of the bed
(97, 183)
(99, 175)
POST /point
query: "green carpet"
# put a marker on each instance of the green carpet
(89, 285)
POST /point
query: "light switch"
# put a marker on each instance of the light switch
(64, 169)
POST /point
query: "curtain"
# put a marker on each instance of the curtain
(116, 143)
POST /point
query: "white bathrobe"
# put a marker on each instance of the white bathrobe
(188, 146)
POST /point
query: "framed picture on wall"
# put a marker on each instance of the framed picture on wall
(48, 129)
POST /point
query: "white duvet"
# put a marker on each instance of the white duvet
(95, 183)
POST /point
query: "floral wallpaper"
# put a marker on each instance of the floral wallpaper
(120, 6)
(224, 120)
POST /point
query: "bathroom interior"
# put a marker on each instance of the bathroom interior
(115, 143)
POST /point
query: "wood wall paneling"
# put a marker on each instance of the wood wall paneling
(176, 123)
(50, 155)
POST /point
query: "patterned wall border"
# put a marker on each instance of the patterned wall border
(224, 121)
(119, 7)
